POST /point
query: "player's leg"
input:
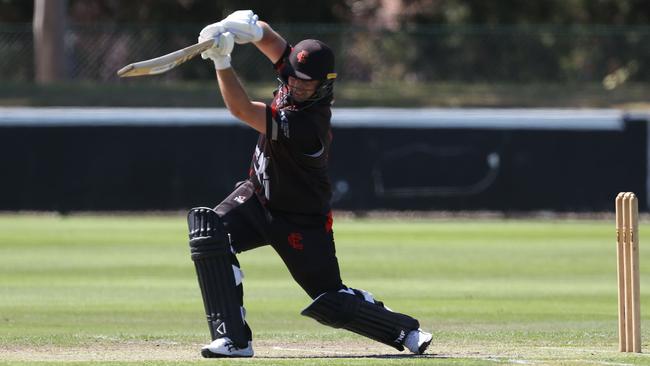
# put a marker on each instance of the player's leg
(220, 281)
(309, 253)
(358, 311)
(306, 245)
(215, 235)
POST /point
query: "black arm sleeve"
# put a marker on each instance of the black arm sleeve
(285, 55)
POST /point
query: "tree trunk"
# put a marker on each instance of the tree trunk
(49, 25)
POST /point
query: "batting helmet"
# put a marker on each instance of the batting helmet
(311, 59)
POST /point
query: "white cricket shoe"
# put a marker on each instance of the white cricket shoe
(223, 347)
(417, 341)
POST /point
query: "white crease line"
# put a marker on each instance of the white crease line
(522, 362)
(602, 362)
(518, 362)
(533, 362)
(309, 350)
(490, 359)
(599, 350)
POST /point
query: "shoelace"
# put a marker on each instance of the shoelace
(231, 346)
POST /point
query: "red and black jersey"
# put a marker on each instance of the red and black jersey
(289, 167)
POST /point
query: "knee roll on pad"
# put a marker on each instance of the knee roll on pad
(357, 311)
(207, 235)
(219, 276)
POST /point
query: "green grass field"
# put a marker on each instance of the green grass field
(122, 290)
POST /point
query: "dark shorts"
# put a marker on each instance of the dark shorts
(305, 243)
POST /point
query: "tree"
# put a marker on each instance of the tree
(49, 24)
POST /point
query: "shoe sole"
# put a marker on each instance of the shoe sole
(206, 353)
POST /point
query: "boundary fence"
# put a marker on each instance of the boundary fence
(67, 159)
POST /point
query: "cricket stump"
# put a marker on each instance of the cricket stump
(627, 255)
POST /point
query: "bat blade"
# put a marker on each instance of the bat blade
(166, 62)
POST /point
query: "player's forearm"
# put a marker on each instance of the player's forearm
(238, 102)
(272, 45)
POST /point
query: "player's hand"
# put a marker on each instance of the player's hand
(220, 52)
(243, 25)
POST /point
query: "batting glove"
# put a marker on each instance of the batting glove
(220, 52)
(241, 23)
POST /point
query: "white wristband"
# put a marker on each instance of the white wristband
(222, 62)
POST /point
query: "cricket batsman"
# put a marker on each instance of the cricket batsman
(285, 200)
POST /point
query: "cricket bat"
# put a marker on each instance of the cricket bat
(164, 63)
